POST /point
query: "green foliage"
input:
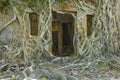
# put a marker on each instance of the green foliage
(57, 78)
(30, 2)
(112, 62)
(114, 68)
(2, 2)
(101, 64)
(113, 65)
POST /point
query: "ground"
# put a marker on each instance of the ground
(67, 68)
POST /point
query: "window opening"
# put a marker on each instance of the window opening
(89, 24)
(33, 24)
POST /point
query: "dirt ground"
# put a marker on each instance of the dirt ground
(60, 68)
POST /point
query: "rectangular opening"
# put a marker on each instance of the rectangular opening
(89, 24)
(62, 34)
(33, 24)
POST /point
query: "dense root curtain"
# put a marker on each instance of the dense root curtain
(105, 32)
(105, 37)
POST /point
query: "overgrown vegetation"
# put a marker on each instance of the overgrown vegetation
(3, 3)
(100, 49)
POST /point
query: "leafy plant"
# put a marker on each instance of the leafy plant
(112, 62)
(57, 78)
(114, 68)
(30, 2)
(1, 4)
(101, 64)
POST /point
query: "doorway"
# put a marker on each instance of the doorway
(67, 39)
(62, 34)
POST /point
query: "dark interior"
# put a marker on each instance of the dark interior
(67, 43)
(67, 25)
(33, 24)
(55, 42)
(89, 24)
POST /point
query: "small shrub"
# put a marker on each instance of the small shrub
(101, 64)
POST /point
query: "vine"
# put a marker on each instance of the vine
(100, 42)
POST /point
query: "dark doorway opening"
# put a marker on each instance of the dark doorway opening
(67, 48)
(55, 42)
(62, 34)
